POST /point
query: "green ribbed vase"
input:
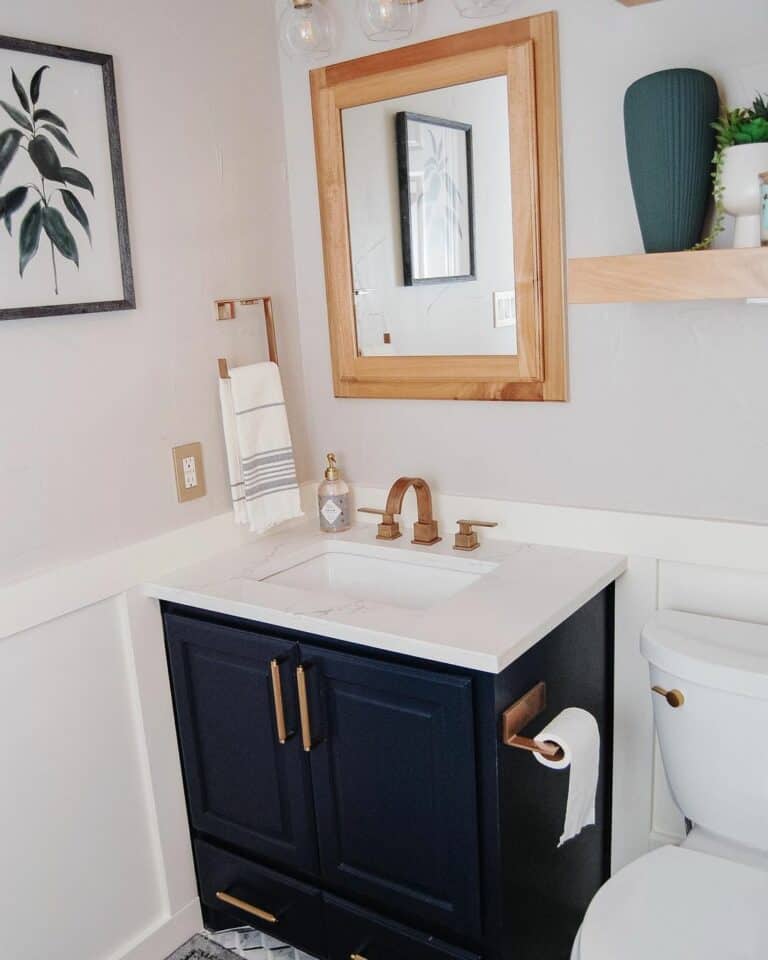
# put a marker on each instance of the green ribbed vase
(670, 145)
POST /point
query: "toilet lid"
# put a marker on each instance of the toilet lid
(676, 903)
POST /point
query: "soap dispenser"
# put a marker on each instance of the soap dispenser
(333, 500)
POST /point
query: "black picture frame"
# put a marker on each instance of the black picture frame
(403, 172)
(106, 62)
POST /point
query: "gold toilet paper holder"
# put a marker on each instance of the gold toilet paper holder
(519, 715)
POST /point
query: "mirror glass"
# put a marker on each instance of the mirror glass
(434, 169)
(430, 217)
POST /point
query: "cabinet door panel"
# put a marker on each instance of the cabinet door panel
(393, 770)
(243, 785)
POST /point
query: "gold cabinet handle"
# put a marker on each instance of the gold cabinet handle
(674, 698)
(277, 691)
(306, 726)
(246, 907)
(356, 956)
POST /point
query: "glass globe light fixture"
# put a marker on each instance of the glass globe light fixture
(306, 30)
(385, 21)
(482, 8)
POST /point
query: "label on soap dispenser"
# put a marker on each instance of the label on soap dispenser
(333, 514)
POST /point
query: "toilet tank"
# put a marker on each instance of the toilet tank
(715, 745)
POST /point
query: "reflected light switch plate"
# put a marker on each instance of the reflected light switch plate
(504, 313)
(188, 468)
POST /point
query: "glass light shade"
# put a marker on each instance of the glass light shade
(482, 8)
(385, 21)
(306, 30)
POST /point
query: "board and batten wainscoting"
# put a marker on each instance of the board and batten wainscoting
(126, 837)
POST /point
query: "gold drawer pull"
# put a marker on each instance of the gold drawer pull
(306, 725)
(356, 956)
(246, 907)
(674, 698)
(277, 690)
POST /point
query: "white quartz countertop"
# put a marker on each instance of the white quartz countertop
(525, 591)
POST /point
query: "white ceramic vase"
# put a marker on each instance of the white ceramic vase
(742, 166)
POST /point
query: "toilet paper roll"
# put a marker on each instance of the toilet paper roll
(576, 732)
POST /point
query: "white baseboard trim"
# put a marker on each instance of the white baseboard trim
(657, 839)
(162, 940)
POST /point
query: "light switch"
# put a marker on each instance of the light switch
(188, 467)
(504, 311)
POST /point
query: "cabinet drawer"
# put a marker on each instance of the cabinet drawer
(297, 908)
(354, 932)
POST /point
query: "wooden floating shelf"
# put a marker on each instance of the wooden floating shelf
(690, 275)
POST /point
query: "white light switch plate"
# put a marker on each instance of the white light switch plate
(504, 311)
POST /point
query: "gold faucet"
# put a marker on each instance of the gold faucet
(425, 528)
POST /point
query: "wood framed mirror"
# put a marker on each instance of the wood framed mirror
(483, 215)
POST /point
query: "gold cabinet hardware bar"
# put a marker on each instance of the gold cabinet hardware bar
(356, 956)
(246, 907)
(306, 726)
(674, 698)
(277, 690)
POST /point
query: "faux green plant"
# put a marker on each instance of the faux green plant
(34, 132)
(734, 128)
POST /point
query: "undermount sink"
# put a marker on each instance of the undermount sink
(382, 575)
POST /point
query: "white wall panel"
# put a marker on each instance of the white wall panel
(81, 868)
(718, 592)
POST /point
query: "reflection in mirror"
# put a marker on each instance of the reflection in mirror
(457, 223)
(434, 163)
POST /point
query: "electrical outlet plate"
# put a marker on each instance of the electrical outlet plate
(190, 475)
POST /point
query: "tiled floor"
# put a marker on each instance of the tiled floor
(241, 942)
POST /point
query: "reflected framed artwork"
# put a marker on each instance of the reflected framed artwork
(434, 159)
(64, 243)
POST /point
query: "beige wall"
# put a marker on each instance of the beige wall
(90, 405)
(668, 402)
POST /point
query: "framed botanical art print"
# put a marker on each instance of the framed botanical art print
(64, 245)
(434, 162)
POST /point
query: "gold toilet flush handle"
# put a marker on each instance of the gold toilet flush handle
(466, 538)
(674, 698)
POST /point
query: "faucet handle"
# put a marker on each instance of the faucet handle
(389, 528)
(466, 538)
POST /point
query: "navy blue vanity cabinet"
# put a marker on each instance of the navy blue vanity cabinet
(393, 823)
(355, 932)
(244, 787)
(394, 779)
(278, 904)
(535, 892)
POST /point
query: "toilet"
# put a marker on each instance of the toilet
(708, 898)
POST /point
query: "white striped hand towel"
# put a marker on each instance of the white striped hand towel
(264, 439)
(233, 452)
